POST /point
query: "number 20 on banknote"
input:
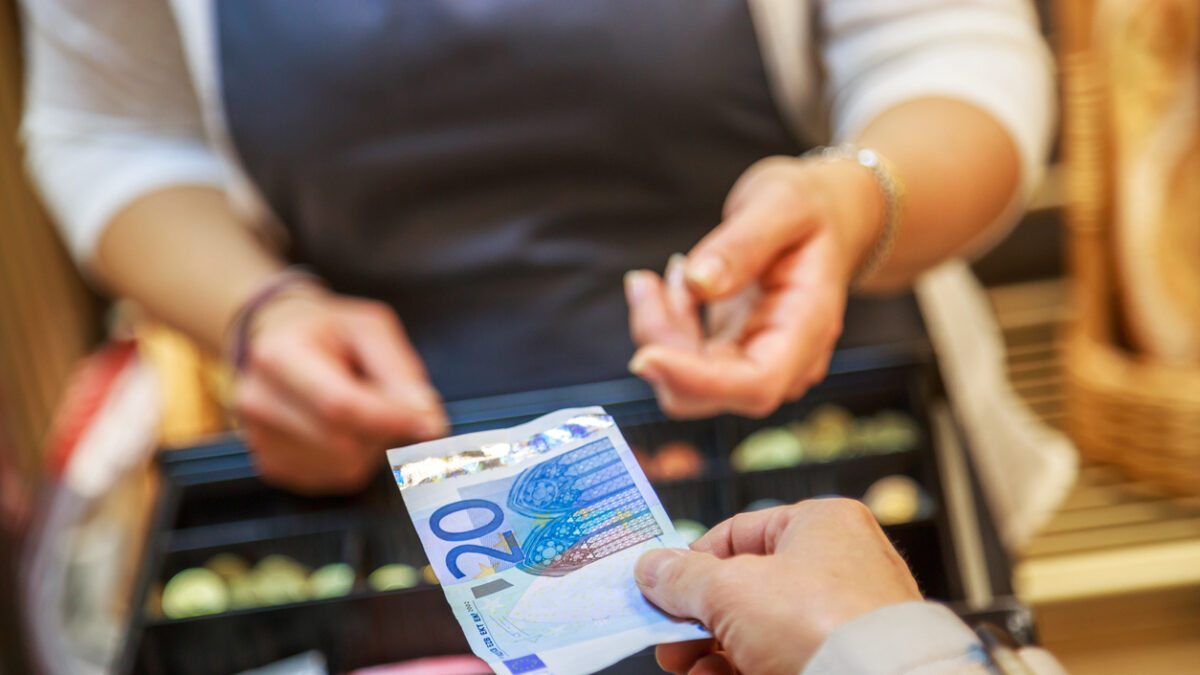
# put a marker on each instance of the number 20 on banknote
(514, 554)
(550, 519)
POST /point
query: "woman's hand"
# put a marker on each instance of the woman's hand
(772, 585)
(331, 381)
(794, 231)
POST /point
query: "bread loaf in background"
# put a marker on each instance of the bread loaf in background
(1150, 51)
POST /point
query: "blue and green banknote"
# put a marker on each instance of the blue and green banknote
(533, 532)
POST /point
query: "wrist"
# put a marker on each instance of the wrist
(868, 203)
(274, 296)
(296, 300)
(859, 209)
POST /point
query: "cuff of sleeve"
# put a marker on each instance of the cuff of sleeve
(1006, 72)
(85, 184)
(116, 189)
(912, 637)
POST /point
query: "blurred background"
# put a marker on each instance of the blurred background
(1026, 443)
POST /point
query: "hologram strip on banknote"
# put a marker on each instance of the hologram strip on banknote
(534, 532)
(505, 453)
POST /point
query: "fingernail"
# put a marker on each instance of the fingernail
(424, 401)
(428, 405)
(707, 272)
(435, 426)
(638, 366)
(676, 265)
(653, 565)
(634, 283)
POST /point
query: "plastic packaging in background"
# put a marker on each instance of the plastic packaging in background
(82, 558)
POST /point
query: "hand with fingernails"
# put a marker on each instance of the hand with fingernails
(330, 382)
(772, 585)
(794, 231)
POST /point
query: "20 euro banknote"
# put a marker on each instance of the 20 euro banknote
(533, 532)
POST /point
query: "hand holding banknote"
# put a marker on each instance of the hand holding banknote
(533, 532)
(772, 585)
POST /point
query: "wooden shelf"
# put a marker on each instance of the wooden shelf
(1114, 577)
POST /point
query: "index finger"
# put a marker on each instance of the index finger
(328, 387)
(389, 360)
(800, 308)
(748, 241)
(749, 533)
(729, 382)
(811, 522)
(679, 657)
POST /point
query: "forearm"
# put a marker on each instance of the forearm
(181, 253)
(960, 170)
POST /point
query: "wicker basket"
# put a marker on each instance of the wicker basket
(1123, 409)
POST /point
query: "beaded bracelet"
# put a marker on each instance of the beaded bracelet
(238, 334)
(890, 188)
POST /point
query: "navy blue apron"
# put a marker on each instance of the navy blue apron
(491, 168)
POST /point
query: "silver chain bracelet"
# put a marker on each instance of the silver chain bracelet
(890, 188)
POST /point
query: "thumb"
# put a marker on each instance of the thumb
(740, 249)
(678, 581)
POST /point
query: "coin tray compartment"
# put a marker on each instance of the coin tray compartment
(355, 631)
(700, 499)
(247, 499)
(310, 550)
(394, 542)
(213, 502)
(346, 629)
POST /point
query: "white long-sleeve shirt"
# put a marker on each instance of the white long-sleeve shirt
(122, 96)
